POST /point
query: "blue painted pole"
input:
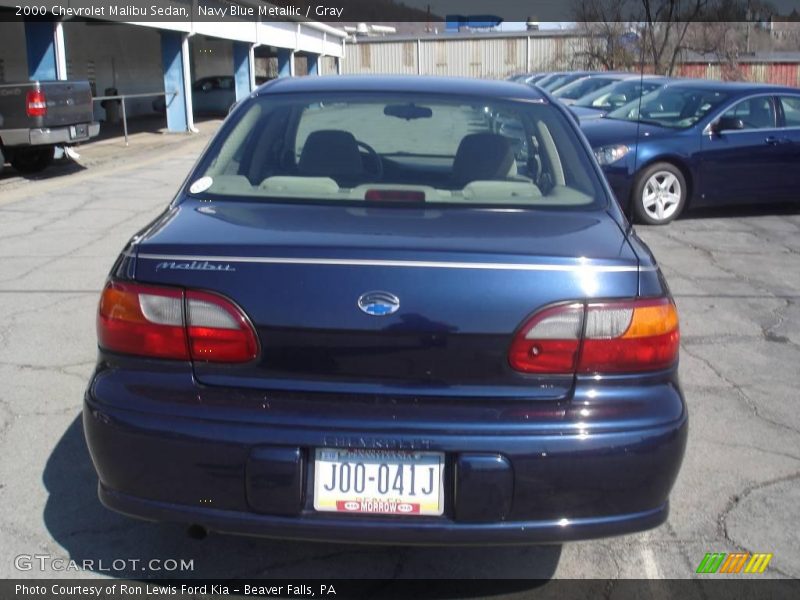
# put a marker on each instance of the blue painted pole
(241, 69)
(41, 50)
(172, 62)
(313, 64)
(285, 58)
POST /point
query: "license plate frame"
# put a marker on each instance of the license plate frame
(369, 485)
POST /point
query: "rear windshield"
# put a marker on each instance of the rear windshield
(399, 149)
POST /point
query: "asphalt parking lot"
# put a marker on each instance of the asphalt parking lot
(736, 278)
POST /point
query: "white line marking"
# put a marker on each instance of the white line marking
(651, 569)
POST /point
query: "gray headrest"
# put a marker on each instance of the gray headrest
(330, 153)
(482, 156)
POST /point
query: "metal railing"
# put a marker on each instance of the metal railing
(122, 97)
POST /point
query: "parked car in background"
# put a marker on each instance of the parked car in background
(210, 96)
(555, 81)
(363, 319)
(600, 102)
(37, 116)
(548, 77)
(570, 93)
(213, 95)
(700, 143)
(529, 78)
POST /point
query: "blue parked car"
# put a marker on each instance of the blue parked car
(602, 101)
(556, 81)
(569, 94)
(364, 319)
(700, 143)
(528, 78)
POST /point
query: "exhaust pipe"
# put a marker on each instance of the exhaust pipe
(197, 532)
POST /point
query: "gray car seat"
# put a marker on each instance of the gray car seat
(482, 156)
(331, 153)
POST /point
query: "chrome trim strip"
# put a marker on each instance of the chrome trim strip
(277, 260)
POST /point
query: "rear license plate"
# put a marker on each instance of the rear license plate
(378, 481)
(78, 131)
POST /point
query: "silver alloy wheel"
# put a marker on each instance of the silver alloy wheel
(661, 195)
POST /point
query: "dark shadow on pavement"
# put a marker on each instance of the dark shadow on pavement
(89, 532)
(58, 168)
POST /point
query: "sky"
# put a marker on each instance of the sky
(542, 10)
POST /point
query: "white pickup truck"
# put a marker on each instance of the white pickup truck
(37, 116)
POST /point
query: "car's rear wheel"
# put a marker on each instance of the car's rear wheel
(659, 194)
(32, 160)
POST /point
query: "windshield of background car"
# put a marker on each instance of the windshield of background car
(557, 81)
(675, 107)
(547, 79)
(581, 87)
(616, 95)
(404, 148)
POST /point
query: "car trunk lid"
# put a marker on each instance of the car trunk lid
(465, 279)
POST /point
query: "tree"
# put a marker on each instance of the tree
(607, 32)
(664, 30)
(666, 23)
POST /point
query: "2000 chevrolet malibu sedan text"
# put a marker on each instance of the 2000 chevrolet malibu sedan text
(370, 316)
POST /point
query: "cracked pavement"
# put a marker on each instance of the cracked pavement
(735, 275)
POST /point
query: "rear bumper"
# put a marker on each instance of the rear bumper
(385, 531)
(48, 136)
(232, 474)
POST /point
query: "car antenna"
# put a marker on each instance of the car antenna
(631, 207)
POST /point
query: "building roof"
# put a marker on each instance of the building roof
(754, 57)
(470, 35)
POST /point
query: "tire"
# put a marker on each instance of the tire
(659, 194)
(32, 160)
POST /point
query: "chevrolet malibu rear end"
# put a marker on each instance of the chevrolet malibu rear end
(390, 310)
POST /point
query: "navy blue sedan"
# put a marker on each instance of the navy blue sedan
(600, 103)
(367, 316)
(701, 143)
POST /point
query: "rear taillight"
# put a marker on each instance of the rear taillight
(162, 322)
(549, 342)
(604, 337)
(383, 195)
(640, 335)
(143, 320)
(217, 330)
(35, 104)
